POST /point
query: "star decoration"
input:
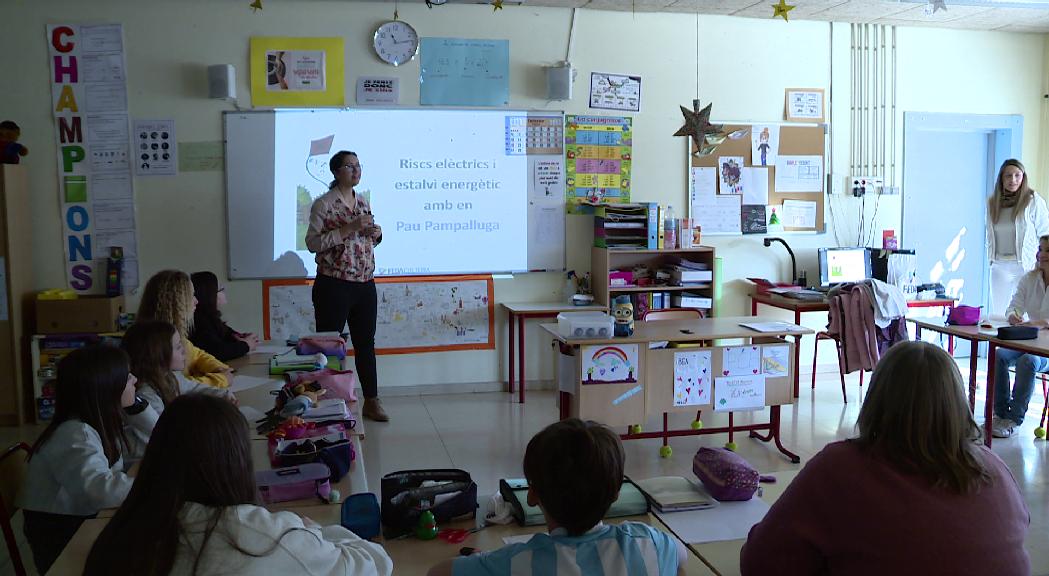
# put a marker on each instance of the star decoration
(781, 9)
(497, 5)
(935, 6)
(256, 5)
(705, 136)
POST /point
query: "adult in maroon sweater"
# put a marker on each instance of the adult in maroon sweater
(915, 493)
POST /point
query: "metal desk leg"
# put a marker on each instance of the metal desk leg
(797, 356)
(950, 345)
(753, 306)
(988, 400)
(974, 348)
(521, 358)
(510, 354)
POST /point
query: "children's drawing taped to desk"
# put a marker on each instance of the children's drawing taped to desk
(609, 364)
(611, 391)
(422, 314)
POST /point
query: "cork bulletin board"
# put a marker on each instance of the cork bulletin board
(807, 140)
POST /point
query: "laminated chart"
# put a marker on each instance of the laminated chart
(597, 161)
(422, 314)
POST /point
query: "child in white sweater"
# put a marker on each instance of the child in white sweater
(192, 510)
(77, 467)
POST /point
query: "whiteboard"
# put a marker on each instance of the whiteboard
(252, 168)
(423, 314)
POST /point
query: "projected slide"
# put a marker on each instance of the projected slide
(446, 187)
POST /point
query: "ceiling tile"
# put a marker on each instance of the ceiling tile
(862, 10)
(801, 11)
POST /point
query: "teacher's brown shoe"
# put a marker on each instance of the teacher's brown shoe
(373, 410)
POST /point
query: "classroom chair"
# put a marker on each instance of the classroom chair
(13, 468)
(679, 314)
(1045, 404)
(824, 335)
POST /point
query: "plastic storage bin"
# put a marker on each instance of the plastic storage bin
(585, 324)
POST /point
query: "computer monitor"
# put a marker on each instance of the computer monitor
(839, 265)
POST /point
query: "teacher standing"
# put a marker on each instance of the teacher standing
(343, 235)
(1017, 218)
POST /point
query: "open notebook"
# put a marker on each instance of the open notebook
(675, 493)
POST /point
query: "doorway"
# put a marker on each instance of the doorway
(950, 162)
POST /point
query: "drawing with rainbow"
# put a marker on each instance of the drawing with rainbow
(610, 365)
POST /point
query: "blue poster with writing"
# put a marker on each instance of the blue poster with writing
(464, 72)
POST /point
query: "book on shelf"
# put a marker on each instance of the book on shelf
(679, 275)
(675, 494)
(691, 300)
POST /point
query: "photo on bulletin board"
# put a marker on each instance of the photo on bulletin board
(292, 72)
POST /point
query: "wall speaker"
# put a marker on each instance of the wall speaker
(222, 82)
(559, 82)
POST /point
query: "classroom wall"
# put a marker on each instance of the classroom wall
(743, 67)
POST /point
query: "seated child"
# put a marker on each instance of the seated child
(914, 493)
(574, 471)
(168, 296)
(157, 360)
(209, 332)
(77, 466)
(192, 510)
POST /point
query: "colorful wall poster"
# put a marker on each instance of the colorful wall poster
(289, 71)
(609, 364)
(597, 161)
(464, 72)
(692, 378)
(89, 104)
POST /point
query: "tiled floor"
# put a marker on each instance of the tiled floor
(486, 434)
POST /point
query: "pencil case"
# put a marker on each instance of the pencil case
(334, 450)
(327, 345)
(1018, 332)
(294, 483)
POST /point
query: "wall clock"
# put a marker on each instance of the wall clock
(396, 42)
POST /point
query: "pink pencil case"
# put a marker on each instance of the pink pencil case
(294, 483)
(327, 345)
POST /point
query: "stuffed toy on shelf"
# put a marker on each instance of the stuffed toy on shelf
(11, 151)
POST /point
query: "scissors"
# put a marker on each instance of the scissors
(456, 535)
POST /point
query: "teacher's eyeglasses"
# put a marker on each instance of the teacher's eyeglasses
(353, 167)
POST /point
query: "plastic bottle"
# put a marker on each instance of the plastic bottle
(670, 229)
(426, 529)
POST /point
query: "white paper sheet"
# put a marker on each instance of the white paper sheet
(730, 171)
(741, 361)
(251, 414)
(756, 186)
(547, 178)
(775, 360)
(519, 538)
(713, 213)
(799, 213)
(764, 139)
(243, 382)
(799, 174)
(156, 153)
(737, 393)
(114, 215)
(692, 378)
(802, 104)
(726, 521)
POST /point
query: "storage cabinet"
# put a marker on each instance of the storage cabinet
(605, 260)
(16, 288)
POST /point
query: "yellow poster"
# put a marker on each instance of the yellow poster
(297, 71)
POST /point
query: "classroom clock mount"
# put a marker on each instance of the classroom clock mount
(396, 42)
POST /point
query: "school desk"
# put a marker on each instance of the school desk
(649, 387)
(411, 557)
(723, 557)
(823, 305)
(522, 311)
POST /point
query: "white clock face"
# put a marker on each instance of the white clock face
(396, 42)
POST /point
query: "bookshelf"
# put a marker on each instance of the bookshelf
(604, 260)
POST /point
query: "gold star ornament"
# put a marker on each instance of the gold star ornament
(781, 9)
(497, 5)
(705, 136)
(256, 5)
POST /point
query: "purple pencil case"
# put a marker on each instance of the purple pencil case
(294, 483)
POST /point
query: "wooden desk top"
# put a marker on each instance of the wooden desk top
(1038, 346)
(797, 305)
(683, 331)
(410, 556)
(975, 333)
(549, 307)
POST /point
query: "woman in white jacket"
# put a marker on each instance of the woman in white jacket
(192, 510)
(1016, 218)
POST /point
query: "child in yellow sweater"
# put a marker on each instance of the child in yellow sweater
(168, 296)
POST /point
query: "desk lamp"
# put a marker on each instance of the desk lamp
(793, 262)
